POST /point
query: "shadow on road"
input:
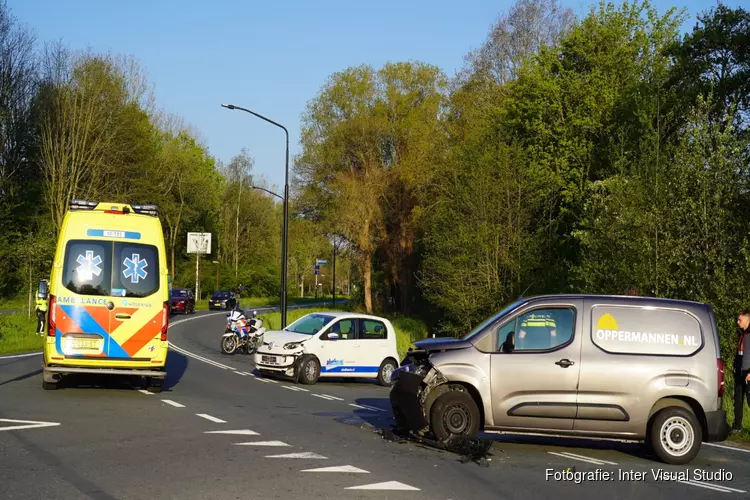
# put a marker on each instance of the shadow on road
(383, 421)
(22, 377)
(177, 364)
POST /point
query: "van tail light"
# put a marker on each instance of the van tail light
(164, 321)
(720, 376)
(52, 316)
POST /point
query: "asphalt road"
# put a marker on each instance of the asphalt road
(218, 431)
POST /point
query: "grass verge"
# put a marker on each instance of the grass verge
(742, 437)
(15, 303)
(17, 334)
(408, 330)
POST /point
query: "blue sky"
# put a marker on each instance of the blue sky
(266, 56)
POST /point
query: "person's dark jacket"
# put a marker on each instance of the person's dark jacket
(746, 354)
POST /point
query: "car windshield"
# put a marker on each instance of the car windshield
(310, 324)
(179, 293)
(221, 295)
(492, 319)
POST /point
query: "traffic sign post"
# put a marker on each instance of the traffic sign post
(198, 243)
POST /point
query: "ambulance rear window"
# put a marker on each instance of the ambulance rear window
(106, 268)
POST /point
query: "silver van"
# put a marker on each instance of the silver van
(613, 367)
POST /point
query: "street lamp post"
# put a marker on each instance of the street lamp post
(285, 230)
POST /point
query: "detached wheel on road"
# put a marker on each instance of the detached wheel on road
(309, 370)
(675, 435)
(454, 414)
(387, 367)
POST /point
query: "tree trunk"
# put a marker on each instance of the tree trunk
(367, 275)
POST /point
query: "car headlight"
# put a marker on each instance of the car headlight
(291, 345)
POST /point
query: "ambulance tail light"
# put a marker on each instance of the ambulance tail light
(720, 376)
(51, 318)
(164, 321)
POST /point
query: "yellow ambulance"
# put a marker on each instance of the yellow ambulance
(108, 295)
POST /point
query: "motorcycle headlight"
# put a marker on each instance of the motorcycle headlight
(289, 346)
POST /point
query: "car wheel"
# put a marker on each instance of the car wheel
(454, 414)
(309, 370)
(387, 367)
(675, 435)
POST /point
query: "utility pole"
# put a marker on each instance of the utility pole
(333, 303)
(237, 231)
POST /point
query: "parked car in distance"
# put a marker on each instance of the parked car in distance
(182, 300)
(222, 299)
(615, 367)
(331, 344)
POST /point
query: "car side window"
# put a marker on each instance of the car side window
(371, 329)
(343, 328)
(537, 330)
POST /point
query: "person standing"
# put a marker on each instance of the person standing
(741, 368)
(41, 308)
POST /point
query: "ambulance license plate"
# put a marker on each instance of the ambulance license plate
(84, 344)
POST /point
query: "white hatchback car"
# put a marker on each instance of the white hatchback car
(331, 344)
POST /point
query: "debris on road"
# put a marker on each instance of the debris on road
(475, 450)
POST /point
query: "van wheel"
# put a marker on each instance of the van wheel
(454, 414)
(675, 435)
(385, 372)
(309, 370)
(49, 386)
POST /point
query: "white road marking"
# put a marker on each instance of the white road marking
(339, 468)
(242, 373)
(293, 388)
(201, 358)
(388, 485)
(715, 486)
(591, 461)
(173, 403)
(328, 397)
(305, 454)
(144, 391)
(263, 443)
(724, 447)
(30, 424)
(22, 355)
(365, 407)
(575, 455)
(240, 432)
(212, 419)
(261, 379)
(709, 486)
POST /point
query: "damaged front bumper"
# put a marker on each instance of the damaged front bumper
(413, 392)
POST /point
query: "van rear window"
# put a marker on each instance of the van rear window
(111, 268)
(646, 331)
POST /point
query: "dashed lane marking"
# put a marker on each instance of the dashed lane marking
(366, 407)
(293, 388)
(305, 454)
(212, 419)
(712, 486)
(242, 373)
(339, 468)
(261, 379)
(173, 403)
(239, 432)
(388, 485)
(328, 397)
(263, 443)
(144, 391)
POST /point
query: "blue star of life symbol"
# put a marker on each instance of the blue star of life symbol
(89, 265)
(135, 268)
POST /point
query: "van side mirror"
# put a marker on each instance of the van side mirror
(510, 343)
(42, 291)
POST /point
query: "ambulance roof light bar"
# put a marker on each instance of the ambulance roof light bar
(82, 205)
(146, 210)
